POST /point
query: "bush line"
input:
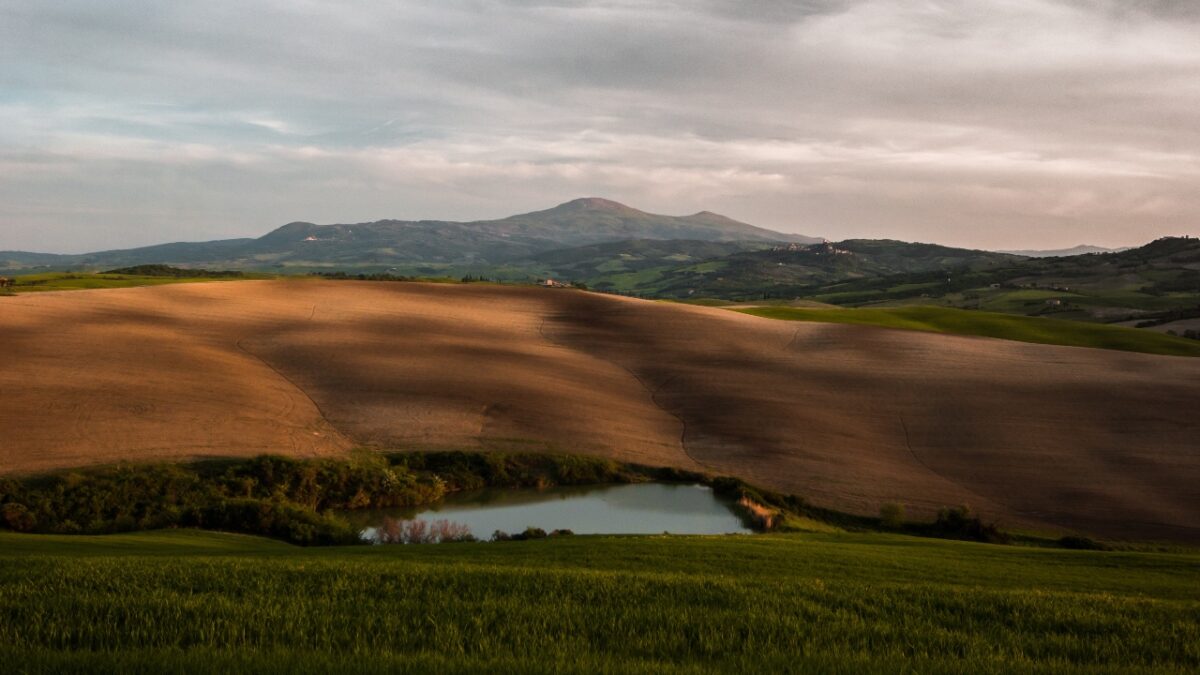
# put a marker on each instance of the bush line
(297, 500)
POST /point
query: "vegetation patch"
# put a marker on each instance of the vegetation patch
(176, 272)
(298, 500)
(197, 602)
(290, 499)
(988, 324)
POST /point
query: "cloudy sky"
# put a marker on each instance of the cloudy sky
(987, 123)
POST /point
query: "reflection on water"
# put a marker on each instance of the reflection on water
(643, 508)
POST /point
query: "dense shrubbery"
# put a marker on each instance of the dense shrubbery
(960, 523)
(289, 499)
(273, 496)
(474, 470)
(394, 531)
(297, 500)
(1081, 543)
(175, 272)
(374, 276)
(891, 516)
(530, 533)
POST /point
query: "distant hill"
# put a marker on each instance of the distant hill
(11, 261)
(382, 243)
(1156, 279)
(625, 264)
(788, 270)
(1153, 283)
(1082, 249)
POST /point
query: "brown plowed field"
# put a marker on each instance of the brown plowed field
(1031, 435)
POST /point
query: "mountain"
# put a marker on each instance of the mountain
(387, 243)
(1082, 249)
(17, 260)
(593, 220)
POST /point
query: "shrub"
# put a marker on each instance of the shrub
(891, 516)
(448, 531)
(959, 523)
(393, 531)
(1081, 543)
(532, 533)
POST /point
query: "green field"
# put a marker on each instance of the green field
(75, 281)
(185, 601)
(989, 324)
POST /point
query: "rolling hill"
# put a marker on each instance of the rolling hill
(789, 270)
(378, 245)
(1158, 279)
(1155, 282)
(631, 264)
(848, 416)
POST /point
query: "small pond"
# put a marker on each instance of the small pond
(641, 508)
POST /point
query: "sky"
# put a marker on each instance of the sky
(981, 123)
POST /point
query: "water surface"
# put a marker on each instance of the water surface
(642, 508)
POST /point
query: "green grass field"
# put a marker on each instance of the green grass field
(184, 601)
(75, 281)
(989, 324)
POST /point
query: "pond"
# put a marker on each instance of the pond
(641, 508)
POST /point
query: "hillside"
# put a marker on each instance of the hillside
(1145, 282)
(1156, 282)
(794, 269)
(385, 243)
(849, 417)
(627, 265)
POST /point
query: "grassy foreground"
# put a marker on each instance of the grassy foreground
(185, 601)
(990, 324)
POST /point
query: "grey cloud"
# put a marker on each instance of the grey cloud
(976, 122)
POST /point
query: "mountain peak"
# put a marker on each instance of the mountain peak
(710, 217)
(595, 204)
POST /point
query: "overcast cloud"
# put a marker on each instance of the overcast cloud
(989, 123)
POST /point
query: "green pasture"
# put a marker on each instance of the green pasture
(186, 601)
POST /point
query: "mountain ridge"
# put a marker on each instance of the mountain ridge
(583, 221)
